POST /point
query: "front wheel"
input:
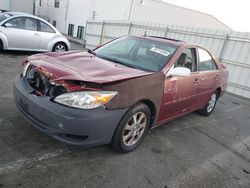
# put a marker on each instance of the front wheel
(209, 107)
(59, 47)
(1, 45)
(132, 129)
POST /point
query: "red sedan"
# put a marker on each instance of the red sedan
(117, 92)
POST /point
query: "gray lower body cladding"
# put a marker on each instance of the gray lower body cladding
(73, 126)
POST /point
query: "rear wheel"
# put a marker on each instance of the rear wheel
(1, 45)
(209, 107)
(132, 129)
(60, 47)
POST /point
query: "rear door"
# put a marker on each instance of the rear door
(208, 75)
(180, 92)
(21, 33)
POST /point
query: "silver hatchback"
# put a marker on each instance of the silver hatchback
(20, 31)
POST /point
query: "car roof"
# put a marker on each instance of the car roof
(20, 14)
(16, 14)
(166, 40)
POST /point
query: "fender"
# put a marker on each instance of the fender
(4, 40)
(56, 39)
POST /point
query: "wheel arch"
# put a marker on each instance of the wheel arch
(219, 91)
(57, 39)
(3, 41)
(152, 109)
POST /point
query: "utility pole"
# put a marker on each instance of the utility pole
(34, 7)
(10, 5)
(66, 16)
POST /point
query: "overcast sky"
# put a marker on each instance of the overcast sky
(235, 13)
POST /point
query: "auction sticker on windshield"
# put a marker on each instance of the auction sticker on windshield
(160, 51)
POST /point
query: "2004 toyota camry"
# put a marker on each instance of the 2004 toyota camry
(117, 92)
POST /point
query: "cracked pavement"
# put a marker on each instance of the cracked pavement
(192, 151)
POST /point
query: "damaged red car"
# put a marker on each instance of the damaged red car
(117, 92)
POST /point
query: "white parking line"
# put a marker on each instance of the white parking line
(235, 108)
(20, 163)
(242, 100)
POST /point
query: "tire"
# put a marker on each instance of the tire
(1, 45)
(209, 107)
(60, 47)
(132, 128)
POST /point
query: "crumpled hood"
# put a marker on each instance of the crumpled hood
(78, 65)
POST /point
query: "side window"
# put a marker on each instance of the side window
(46, 28)
(31, 24)
(187, 59)
(206, 62)
(24, 23)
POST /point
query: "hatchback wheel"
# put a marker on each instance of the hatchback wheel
(1, 45)
(132, 129)
(209, 107)
(60, 47)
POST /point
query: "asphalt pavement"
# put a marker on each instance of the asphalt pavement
(191, 151)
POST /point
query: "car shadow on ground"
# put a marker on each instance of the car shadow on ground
(18, 53)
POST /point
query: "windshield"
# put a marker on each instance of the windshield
(3, 16)
(138, 53)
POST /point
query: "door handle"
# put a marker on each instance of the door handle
(216, 76)
(37, 34)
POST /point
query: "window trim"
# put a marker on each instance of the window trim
(80, 35)
(40, 28)
(195, 54)
(54, 23)
(72, 29)
(3, 25)
(56, 3)
(198, 62)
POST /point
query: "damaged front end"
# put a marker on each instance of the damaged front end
(71, 93)
(43, 84)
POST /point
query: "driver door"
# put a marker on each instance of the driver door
(21, 33)
(180, 92)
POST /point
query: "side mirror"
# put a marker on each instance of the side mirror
(8, 25)
(179, 71)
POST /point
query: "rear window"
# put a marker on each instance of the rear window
(46, 28)
(4, 16)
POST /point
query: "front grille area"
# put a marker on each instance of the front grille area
(41, 84)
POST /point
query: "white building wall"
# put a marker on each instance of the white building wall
(50, 13)
(160, 12)
(111, 9)
(78, 18)
(22, 6)
(80, 12)
(77, 12)
(5, 4)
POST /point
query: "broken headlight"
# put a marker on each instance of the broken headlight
(25, 69)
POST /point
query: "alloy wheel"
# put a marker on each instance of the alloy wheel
(211, 103)
(134, 129)
(60, 48)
